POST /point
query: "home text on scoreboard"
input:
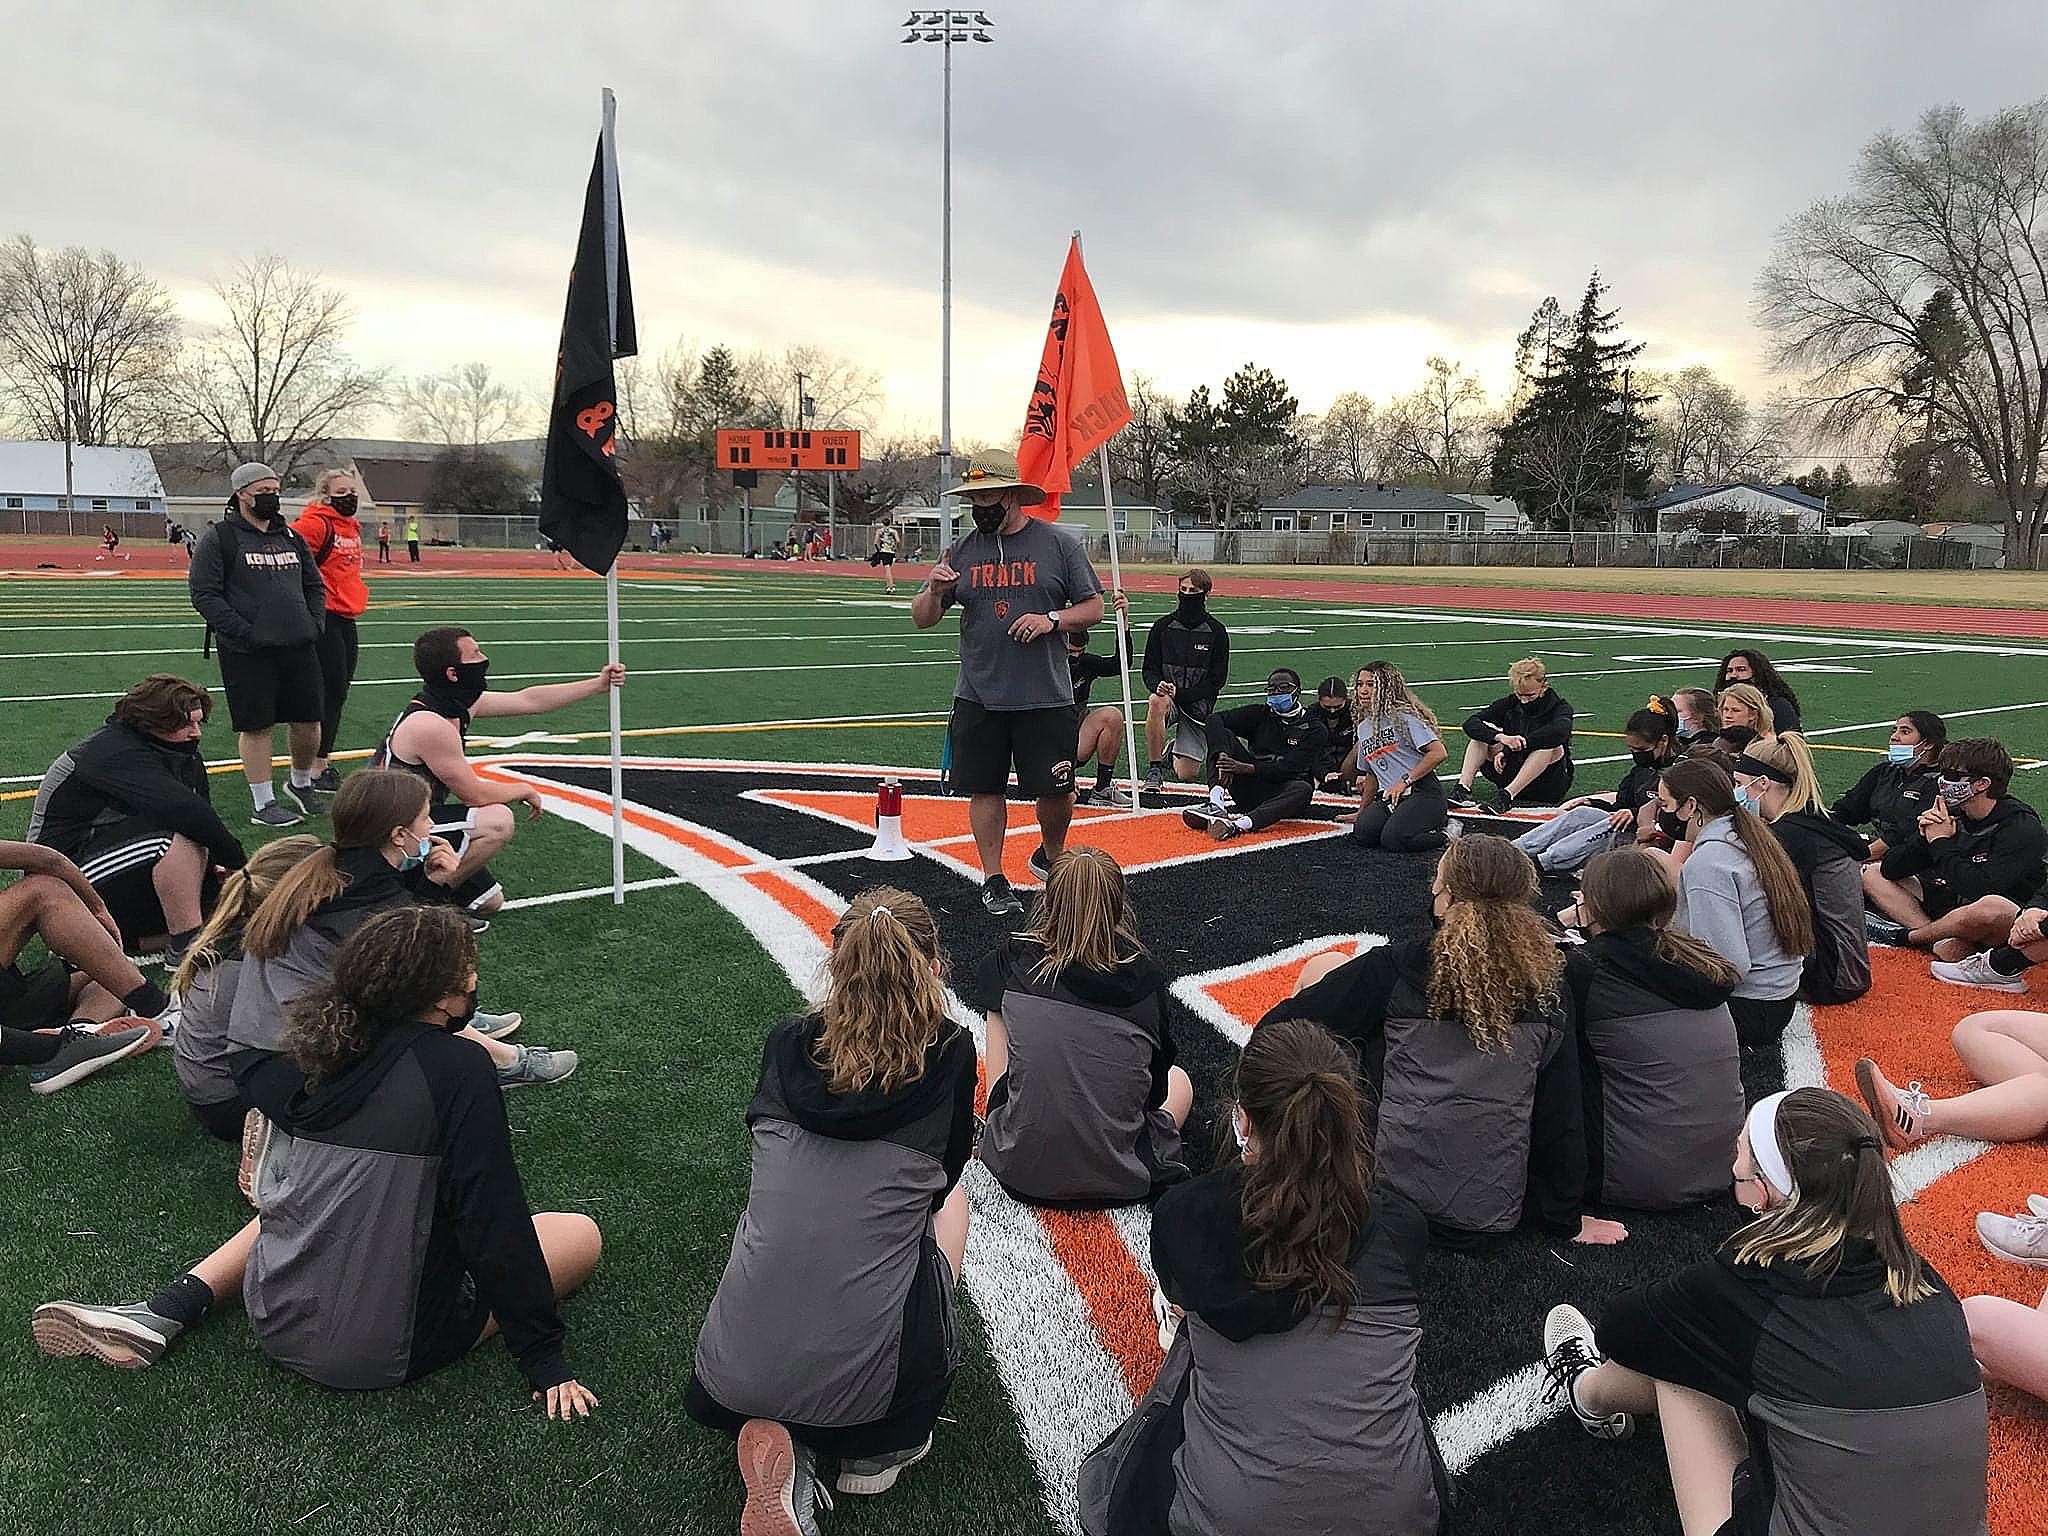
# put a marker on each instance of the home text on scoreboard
(788, 448)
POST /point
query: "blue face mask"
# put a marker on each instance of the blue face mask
(1747, 801)
(1898, 752)
(418, 857)
(1282, 703)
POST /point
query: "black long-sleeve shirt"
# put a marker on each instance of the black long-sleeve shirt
(2000, 854)
(1194, 658)
(1890, 798)
(1544, 721)
(119, 772)
(1284, 748)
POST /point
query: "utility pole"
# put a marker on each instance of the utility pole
(64, 372)
(796, 477)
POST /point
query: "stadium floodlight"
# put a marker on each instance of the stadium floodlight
(946, 28)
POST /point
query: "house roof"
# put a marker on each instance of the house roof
(37, 469)
(1966, 533)
(1678, 495)
(1087, 492)
(1367, 498)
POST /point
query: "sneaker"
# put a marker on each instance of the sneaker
(1088, 795)
(1568, 1353)
(1224, 828)
(327, 780)
(255, 1143)
(477, 922)
(1040, 865)
(1501, 804)
(1901, 1116)
(781, 1477)
(129, 1336)
(302, 797)
(537, 1064)
(1198, 817)
(1976, 971)
(496, 1026)
(84, 1052)
(997, 899)
(1880, 929)
(2037, 1205)
(1454, 829)
(2019, 1239)
(1155, 779)
(878, 1474)
(274, 815)
(1114, 795)
(1459, 794)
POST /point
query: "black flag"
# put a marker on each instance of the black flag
(582, 500)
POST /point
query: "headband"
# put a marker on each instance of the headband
(1765, 1149)
(1757, 767)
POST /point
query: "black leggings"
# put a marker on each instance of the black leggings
(1758, 1020)
(336, 649)
(222, 1120)
(1266, 801)
(1416, 825)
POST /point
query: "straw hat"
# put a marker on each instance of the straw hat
(978, 479)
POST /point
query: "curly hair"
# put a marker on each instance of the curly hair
(161, 703)
(1492, 961)
(390, 972)
(883, 1003)
(1390, 696)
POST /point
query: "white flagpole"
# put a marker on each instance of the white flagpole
(1116, 581)
(611, 577)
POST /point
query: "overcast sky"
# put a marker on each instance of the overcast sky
(1333, 188)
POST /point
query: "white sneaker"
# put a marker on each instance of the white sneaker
(2018, 1239)
(1976, 971)
(1568, 1353)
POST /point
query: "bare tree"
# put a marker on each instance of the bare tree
(273, 382)
(1348, 442)
(892, 470)
(1140, 453)
(1567, 462)
(1704, 431)
(89, 326)
(843, 393)
(1443, 428)
(464, 407)
(1919, 300)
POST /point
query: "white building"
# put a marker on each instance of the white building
(103, 480)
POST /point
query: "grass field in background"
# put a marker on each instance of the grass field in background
(109, 1188)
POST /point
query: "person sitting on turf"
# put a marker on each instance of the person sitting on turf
(1973, 861)
(471, 814)
(2011, 1340)
(1470, 1052)
(2002, 967)
(1588, 824)
(1186, 663)
(65, 1024)
(1740, 707)
(401, 1238)
(1292, 1280)
(1522, 742)
(1102, 727)
(383, 850)
(1816, 1376)
(2006, 1050)
(1739, 894)
(1085, 1104)
(1333, 708)
(1399, 750)
(1660, 1067)
(1697, 717)
(1754, 669)
(130, 806)
(832, 1331)
(1776, 781)
(204, 986)
(1262, 761)
(1891, 797)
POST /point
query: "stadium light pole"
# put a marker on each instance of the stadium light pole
(946, 28)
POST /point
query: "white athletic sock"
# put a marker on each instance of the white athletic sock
(302, 778)
(1218, 795)
(1242, 823)
(262, 794)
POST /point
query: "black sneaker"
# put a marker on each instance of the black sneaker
(1568, 1353)
(1155, 780)
(274, 815)
(1501, 803)
(1458, 794)
(327, 780)
(1040, 865)
(83, 1053)
(306, 797)
(1880, 929)
(129, 1336)
(997, 899)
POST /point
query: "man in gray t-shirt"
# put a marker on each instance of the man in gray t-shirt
(1017, 582)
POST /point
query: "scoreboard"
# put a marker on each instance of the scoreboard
(789, 448)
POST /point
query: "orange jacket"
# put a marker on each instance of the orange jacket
(337, 546)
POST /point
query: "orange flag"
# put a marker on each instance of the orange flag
(1078, 402)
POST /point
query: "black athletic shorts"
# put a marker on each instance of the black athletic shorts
(1040, 742)
(454, 824)
(266, 687)
(37, 999)
(120, 862)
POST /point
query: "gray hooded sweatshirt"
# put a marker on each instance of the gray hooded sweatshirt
(1721, 903)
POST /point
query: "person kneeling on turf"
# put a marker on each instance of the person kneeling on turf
(832, 1332)
(401, 1238)
(1522, 742)
(1262, 761)
(470, 814)
(1291, 1282)
(1102, 727)
(1085, 1104)
(1814, 1377)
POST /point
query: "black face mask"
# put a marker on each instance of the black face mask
(467, 1017)
(345, 503)
(1643, 759)
(469, 682)
(1193, 609)
(991, 519)
(265, 505)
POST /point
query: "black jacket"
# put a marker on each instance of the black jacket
(1638, 784)
(1890, 798)
(118, 772)
(257, 589)
(1546, 721)
(1343, 741)
(1283, 749)
(2001, 855)
(1195, 659)
(1085, 667)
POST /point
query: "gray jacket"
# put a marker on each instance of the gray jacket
(1721, 903)
(200, 1049)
